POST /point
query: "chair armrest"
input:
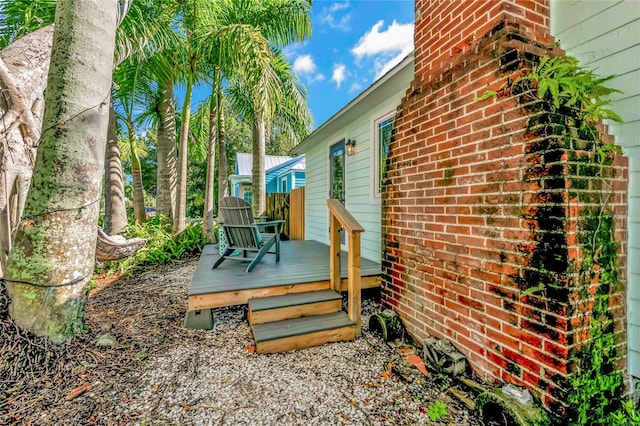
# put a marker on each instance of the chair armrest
(276, 224)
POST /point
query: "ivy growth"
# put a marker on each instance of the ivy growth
(597, 385)
(575, 100)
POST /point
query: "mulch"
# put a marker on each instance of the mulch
(38, 377)
(138, 365)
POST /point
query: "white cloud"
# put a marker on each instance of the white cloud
(388, 47)
(338, 6)
(291, 51)
(304, 65)
(339, 74)
(317, 77)
(330, 18)
(382, 67)
(355, 87)
(395, 37)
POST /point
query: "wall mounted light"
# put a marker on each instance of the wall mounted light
(351, 146)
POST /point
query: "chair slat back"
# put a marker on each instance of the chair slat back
(237, 212)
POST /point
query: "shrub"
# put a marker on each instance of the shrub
(162, 246)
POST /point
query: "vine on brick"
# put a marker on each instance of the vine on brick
(575, 102)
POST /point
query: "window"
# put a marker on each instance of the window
(247, 194)
(283, 184)
(336, 171)
(383, 129)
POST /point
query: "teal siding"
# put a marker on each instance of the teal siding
(271, 180)
(300, 179)
(274, 176)
(285, 181)
(604, 35)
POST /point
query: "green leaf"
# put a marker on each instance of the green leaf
(486, 95)
(437, 410)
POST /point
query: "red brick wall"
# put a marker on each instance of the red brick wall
(445, 29)
(483, 204)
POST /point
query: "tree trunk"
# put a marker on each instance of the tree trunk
(223, 178)
(23, 77)
(207, 216)
(258, 181)
(115, 212)
(167, 153)
(136, 175)
(54, 249)
(180, 219)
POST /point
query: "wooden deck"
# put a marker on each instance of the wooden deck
(303, 266)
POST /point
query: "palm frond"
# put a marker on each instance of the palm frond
(21, 17)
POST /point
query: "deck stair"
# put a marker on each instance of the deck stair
(297, 321)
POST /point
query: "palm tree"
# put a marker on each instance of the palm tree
(244, 33)
(133, 91)
(115, 212)
(167, 149)
(285, 108)
(143, 36)
(21, 17)
(52, 259)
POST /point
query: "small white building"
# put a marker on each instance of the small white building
(345, 157)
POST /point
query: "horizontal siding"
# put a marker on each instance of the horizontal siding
(316, 222)
(358, 169)
(604, 35)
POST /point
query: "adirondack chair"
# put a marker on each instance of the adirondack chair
(244, 234)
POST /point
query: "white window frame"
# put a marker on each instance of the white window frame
(375, 166)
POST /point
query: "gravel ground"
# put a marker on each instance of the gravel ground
(156, 372)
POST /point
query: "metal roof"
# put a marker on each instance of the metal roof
(244, 162)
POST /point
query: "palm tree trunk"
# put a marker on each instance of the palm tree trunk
(54, 248)
(136, 175)
(223, 178)
(167, 153)
(258, 182)
(207, 216)
(180, 219)
(223, 175)
(115, 212)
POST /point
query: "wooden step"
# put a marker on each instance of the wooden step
(300, 333)
(278, 308)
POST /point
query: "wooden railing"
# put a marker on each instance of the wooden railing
(341, 218)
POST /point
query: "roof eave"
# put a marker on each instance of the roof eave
(302, 146)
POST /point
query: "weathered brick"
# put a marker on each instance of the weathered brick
(479, 203)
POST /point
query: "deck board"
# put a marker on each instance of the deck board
(300, 262)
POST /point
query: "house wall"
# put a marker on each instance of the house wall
(287, 178)
(489, 216)
(294, 179)
(358, 171)
(604, 35)
(300, 179)
(271, 181)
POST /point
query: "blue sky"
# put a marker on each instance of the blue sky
(352, 44)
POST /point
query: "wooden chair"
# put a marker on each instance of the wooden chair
(244, 234)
